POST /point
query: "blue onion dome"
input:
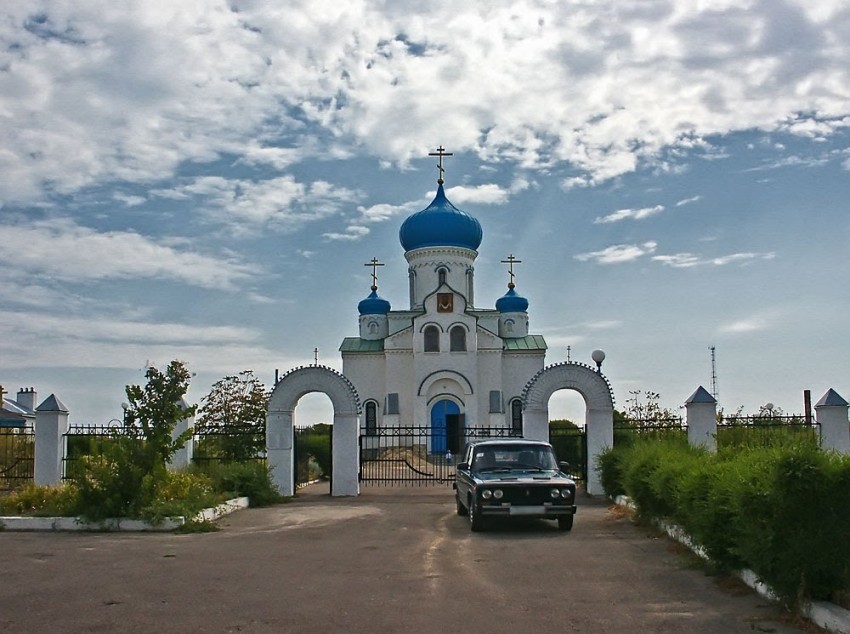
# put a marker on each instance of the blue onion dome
(440, 224)
(512, 302)
(374, 305)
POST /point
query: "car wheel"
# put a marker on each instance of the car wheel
(476, 522)
(461, 509)
(565, 523)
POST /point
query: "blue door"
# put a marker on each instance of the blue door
(443, 413)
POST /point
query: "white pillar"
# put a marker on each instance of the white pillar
(535, 424)
(834, 426)
(51, 425)
(346, 455)
(701, 410)
(599, 427)
(280, 458)
(182, 458)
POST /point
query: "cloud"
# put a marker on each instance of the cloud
(92, 255)
(743, 326)
(633, 214)
(688, 201)
(352, 233)
(689, 260)
(245, 205)
(96, 92)
(618, 253)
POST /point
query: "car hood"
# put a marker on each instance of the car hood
(521, 476)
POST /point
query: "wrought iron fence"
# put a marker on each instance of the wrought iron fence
(626, 431)
(17, 457)
(570, 445)
(313, 454)
(766, 431)
(417, 456)
(213, 447)
(82, 441)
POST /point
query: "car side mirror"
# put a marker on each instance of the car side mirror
(463, 465)
(565, 466)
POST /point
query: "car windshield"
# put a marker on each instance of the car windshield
(494, 458)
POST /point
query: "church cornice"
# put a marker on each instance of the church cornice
(418, 254)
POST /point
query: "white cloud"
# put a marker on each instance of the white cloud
(352, 232)
(87, 254)
(689, 260)
(688, 201)
(281, 202)
(619, 253)
(633, 214)
(743, 326)
(97, 92)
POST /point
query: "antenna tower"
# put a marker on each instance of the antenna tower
(713, 373)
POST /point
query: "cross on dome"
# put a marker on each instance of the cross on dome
(510, 262)
(374, 264)
(441, 152)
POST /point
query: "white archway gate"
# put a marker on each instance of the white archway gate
(280, 421)
(599, 412)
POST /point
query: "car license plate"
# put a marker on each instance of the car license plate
(528, 510)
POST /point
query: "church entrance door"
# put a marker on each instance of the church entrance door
(447, 428)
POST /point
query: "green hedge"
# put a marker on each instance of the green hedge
(784, 512)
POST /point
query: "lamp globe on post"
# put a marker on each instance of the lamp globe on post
(598, 357)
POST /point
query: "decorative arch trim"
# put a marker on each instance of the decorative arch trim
(585, 380)
(445, 396)
(431, 323)
(315, 378)
(444, 374)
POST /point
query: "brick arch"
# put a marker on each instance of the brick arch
(599, 413)
(280, 420)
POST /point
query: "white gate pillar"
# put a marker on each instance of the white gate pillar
(599, 427)
(701, 410)
(834, 426)
(346, 455)
(535, 424)
(279, 451)
(51, 425)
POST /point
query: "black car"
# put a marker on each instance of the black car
(513, 478)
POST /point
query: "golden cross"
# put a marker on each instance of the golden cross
(511, 261)
(374, 264)
(441, 152)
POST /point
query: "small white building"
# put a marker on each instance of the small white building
(444, 362)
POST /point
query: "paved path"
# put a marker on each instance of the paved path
(392, 560)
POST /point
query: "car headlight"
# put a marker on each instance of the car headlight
(498, 494)
(486, 494)
(555, 493)
(566, 494)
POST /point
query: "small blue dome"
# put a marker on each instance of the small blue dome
(511, 302)
(440, 224)
(373, 305)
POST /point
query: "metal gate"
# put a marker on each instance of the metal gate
(404, 456)
(570, 445)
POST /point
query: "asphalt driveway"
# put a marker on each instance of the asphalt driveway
(392, 560)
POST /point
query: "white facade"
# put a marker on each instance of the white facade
(442, 362)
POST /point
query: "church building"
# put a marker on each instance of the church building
(450, 361)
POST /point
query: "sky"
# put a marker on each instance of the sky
(205, 180)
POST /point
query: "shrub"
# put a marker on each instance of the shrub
(176, 493)
(249, 479)
(40, 501)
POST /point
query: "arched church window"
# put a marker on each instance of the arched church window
(441, 275)
(371, 418)
(509, 325)
(457, 339)
(432, 339)
(373, 327)
(516, 416)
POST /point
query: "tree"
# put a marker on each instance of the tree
(233, 417)
(156, 409)
(645, 408)
(127, 475)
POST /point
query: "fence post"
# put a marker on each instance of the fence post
(182, 458)
(701, 410)
(345, 455)
(51, 425)
(834, 426)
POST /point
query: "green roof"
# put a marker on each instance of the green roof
(529, 342)
(356, 344)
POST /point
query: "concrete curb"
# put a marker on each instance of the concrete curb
(10, 523)
(822, 613)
